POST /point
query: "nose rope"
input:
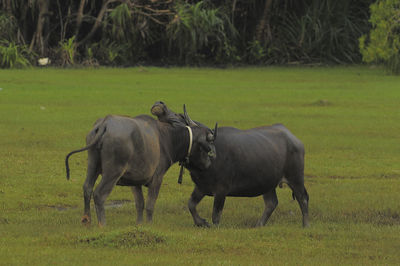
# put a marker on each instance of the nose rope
(187, 156)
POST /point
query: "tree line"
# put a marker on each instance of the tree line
(182, 32)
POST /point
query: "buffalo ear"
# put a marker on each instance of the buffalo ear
(215, 130)
(188, 121)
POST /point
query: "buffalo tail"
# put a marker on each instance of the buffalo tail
(99, 133)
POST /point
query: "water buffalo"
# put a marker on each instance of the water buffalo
(138, 151)
(251, 163)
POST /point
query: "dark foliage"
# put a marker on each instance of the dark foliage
(131, 32)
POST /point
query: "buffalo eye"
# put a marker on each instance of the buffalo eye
(205, 147)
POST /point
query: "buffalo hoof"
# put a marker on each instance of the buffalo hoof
(260, 224)
(306, 225)
(85, 220)
(202, 223)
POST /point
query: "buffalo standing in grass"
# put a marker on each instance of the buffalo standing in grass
(251, 163)
(138, 151)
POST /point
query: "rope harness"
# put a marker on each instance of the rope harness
(186, 161)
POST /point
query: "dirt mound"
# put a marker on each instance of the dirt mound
(124, 239)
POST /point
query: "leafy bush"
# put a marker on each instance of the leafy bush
(127, 33)
(198, 32)
(8, 27)
(14, 56)
(68, 50)
(382, 45)
(255, 52)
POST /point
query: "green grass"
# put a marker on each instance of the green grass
(347, 117)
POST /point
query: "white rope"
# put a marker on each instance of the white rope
(187, 156)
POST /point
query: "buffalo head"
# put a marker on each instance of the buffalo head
(202, 150)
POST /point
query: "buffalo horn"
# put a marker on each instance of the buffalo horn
(215, 130)
(188, 121)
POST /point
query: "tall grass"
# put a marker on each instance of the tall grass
(321, 31)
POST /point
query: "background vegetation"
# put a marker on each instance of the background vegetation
(383, 44)
(190, 32)
(347, 118)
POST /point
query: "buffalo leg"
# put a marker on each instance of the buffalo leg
(219, 201)
(301, 196)
(152, 195)
(270, 201)
(139, 202)
(91, 177)
(108, 181)
(195, 198)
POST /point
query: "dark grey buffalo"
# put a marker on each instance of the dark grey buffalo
(138, 151)
(251, 163)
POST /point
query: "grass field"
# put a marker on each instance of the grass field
(347, 117)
